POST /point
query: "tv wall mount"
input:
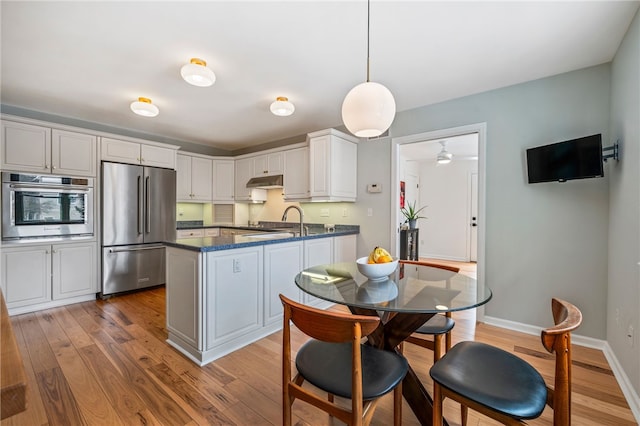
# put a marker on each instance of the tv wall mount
(615, 152)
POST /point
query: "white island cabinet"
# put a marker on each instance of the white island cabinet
(282, 262)
(219, 301)
(214, 301)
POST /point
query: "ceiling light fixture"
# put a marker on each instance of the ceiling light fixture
(369, 108)
(282, 107)
(444, 157)
(144, 107)
(197, 73)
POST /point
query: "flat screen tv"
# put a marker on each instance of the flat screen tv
(562, 161)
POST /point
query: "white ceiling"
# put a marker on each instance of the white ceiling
(90, 60)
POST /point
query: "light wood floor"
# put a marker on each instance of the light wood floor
(106, 362)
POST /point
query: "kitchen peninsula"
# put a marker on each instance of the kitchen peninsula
(222, 291)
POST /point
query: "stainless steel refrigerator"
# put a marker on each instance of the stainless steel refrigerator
(138, 215)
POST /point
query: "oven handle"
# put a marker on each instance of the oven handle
(65, 188)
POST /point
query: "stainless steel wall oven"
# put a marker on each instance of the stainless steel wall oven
(38, 206)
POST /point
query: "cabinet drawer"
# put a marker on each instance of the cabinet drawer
(189, 233)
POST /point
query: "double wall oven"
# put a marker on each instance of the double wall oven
(40, 206)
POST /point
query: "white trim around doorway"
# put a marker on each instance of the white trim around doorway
(481, 130)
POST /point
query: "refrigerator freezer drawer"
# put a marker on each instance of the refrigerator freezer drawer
(126, 268)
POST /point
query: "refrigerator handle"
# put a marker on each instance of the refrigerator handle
(140, 213)
(147, 206)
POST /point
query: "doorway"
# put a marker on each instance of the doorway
(474, 229)
(445, 193)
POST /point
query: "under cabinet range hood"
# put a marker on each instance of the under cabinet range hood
(266, 182)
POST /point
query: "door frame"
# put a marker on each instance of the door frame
(481, 130)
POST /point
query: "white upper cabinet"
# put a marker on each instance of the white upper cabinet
(30, 148)
(73, 153)
(223, 181)
(296, 174)
(244, 172)
(268, 164)
(333, 166)
(137, 153)
(194, 178)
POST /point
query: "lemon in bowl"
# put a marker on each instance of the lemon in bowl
(376, 271)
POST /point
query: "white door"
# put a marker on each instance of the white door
(411, 191)
(473, 243)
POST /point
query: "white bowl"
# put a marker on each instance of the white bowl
(376, 271)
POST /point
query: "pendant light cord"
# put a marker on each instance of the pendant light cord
(368, 23)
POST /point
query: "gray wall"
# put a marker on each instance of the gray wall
(623, 297)
(542, 240)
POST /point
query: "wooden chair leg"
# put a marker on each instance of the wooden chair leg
(286, 407)
(397, 405)
(437, 405)
(437, 347)
(464, 414)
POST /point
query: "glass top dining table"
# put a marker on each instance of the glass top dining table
(411, 288)
(404, 300)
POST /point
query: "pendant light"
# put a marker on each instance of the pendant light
(369, 108)
(197, 73)
(144, 107)
(282, 107)
(444, 157)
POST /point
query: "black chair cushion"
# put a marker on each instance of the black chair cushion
(492, 377)
(437, 324)
(328, 367)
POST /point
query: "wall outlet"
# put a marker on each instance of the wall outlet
(345, 212)
(369, 212)
(236, 266)
(324, 212)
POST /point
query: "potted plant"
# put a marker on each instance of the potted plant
(412, 214)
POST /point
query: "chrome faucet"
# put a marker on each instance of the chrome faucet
(284, 217)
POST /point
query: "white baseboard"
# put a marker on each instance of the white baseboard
(623, 380)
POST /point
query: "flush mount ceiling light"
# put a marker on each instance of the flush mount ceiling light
(282, 107)
(369, 108)
(197, 73)
(144, 107)
(444, 157)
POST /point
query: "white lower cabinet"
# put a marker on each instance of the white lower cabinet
(41, 276)
(282, 262)
(184, 299)
(345, 248)
(317, 252)
(234, 294)
(189, 233)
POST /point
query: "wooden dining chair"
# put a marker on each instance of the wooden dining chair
(336, 362)
(503, 386)
(439, 326)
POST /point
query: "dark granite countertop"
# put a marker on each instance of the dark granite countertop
(260, 237)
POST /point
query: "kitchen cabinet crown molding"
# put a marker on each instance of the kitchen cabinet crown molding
(272, 150)
(57, 126)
